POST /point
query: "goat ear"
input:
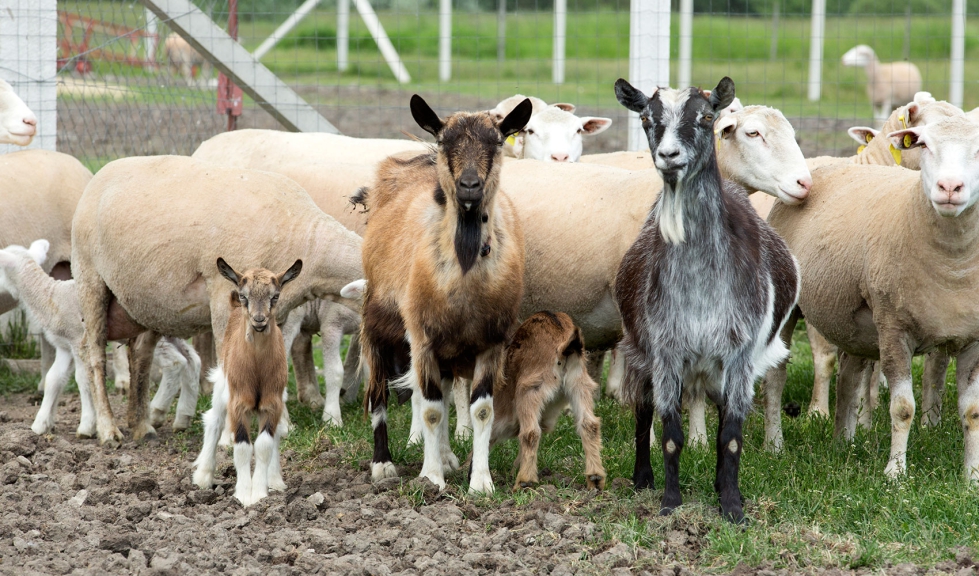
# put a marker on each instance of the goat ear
(517, 118)
(228, 272)
(425, 116)
(565, 106)
(629, 96)
(290, 274)
(594, 125)
(723, 94)
(906, 139)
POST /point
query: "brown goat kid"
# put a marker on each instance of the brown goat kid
(251, 378)
(444, 262)
(545, 371)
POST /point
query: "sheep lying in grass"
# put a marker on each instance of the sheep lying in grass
(887, 84)
(53, 306)
(250, 380)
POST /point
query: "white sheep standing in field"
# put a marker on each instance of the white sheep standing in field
(53, 306)
(889, 84)
(182, 58)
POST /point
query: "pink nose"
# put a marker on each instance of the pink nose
(950, 186)
(559, 157)
(32, 122)
(805, 183)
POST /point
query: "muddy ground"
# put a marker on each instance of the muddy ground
(68, 506)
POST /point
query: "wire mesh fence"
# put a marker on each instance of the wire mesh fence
(119, 95)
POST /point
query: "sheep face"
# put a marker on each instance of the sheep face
(949, 162)
(257, 292)
(860, 55)
(18, 124)
(554, 135)
(679, 124)
(767, 157)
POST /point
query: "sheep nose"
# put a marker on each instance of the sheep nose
(950, 186)
(559, 157)
(30, 120)
(805, 183)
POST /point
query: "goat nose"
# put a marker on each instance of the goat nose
(469, 182)
(260, 319)
(559, 157)
(950, 186)
(805, 183)
(668, 154)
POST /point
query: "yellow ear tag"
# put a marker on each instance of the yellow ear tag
(907, 141)
(896, 154)
(511, 140)
(861, 148)
(903, 123)
(869, 137)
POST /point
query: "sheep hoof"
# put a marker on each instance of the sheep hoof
(182, 422)
(145, 433)
(158, 417)
(41, 428)
(450, 461)
(85, 431)
(277, 485)
(522, 485)
(110, 437)
(203, 479)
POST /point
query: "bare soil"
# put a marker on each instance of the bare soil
(68, 506)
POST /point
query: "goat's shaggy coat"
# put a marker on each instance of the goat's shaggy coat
(444, 263)
(703, 292)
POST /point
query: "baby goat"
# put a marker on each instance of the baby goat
(251, 376)
(544, 371)
(703, 292)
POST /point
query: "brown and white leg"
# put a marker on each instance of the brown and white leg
(95, 304)
(933, 387)
(426, 395)
(580, 390)
(823, 362)
(967, 382)
(141, 351)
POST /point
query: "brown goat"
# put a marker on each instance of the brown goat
(545, 370)
(251, 377)
(444, 262)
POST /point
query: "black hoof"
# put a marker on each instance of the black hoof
(643, 481)
(666, 511)
(735, 516)
(792, 409)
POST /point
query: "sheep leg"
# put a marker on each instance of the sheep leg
(95, 304)
(824, 361)
(86, 427)
(426, 393)
(120, 368)
(351, 371)
(580, 390)
(48, 353)
(332, 338)
(460, 393)
(642, 474)
(189, 387)
(774, 385)
(695, 398)
(204, 345)
(851, 387)
(616, 373)
(215, 421)
(895, 357)
(307, 383)
(172, 366)
(933, 388)
(54, 383)
(449, 460)
(140, 361)
(488, 374)
(873, 390)
(967, 382)
(377, 405)
(416, 430)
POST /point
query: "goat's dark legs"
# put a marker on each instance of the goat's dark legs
(672, 446)
(377, 405)
(642, 474)
(729, 444)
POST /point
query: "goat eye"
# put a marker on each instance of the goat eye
(644, 119)
(244, 300)
(274, 300)
(709, 118)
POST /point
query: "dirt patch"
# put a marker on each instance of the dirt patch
(70, 507)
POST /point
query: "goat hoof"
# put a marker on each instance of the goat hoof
(277, 485)
(203, 479)
(110, 438)
(596, 481)
(85, 432)
(522, 485)
(643, 481)
(464, 434)
(382, 470)
(145, 434)
(182, 422)
(734, 515)
(157, 417)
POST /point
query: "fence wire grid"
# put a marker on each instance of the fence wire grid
(119, 96)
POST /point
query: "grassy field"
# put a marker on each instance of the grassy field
(598, 45)
(821, 502)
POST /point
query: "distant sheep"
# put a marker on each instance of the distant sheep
(888, 85)
(182, 58)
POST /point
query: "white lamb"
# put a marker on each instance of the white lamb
(53, 306)
(888, 85)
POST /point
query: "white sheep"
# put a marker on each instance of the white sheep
(553, 134)
(53, 306)
(889, 84)
(183, 58)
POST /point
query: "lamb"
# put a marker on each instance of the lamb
(250, 379)
(544, 371)
(456, 295)
(183, 59)
(187, 215)
(704, 290)
(904, 280)
(554, 135)
(53, 306)
(887, 84)
(18, 124)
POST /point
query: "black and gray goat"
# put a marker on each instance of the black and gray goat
(703, 292)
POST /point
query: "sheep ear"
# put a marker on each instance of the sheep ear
(724, 127)
(39, 250)
(355, 290)
(906, 139)
(923, 98)
(565, 106)
(290, 274)
(862, 134)
(723, 94)
(228, 272)
(595, 125)
(630, 97)
(911, 112)
(425, 116)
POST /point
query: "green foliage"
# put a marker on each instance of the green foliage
(18, 342)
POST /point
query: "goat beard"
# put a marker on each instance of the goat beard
(469, 235)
